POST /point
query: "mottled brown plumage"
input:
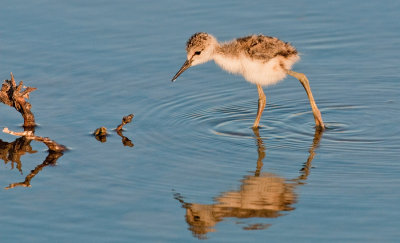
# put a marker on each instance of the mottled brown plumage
(259, 47)
(197, 40)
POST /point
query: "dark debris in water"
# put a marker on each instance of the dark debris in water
(101, 133)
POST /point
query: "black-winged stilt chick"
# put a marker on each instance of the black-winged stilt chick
(260, 59)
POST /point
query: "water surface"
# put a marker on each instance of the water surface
(197, 169)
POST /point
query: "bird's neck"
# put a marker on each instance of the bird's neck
(229, 64)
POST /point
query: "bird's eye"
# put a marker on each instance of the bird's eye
(197, 52)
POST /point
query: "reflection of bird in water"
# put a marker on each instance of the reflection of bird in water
(260, 59)
(262, 195)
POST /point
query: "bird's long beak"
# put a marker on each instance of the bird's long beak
(185, 66)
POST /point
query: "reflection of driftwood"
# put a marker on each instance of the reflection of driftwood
(55, 151)
(12, 94)
(262, 195)
(51, 159)
(12, 152)
(125, 141)
(101, 133)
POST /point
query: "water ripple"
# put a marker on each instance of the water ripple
(217, 114)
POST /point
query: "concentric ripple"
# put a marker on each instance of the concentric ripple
(230, 114)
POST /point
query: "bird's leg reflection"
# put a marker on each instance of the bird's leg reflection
(260, 150)
(305, 171)
(262, 195)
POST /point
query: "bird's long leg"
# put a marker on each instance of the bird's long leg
(306, 84)
(261, 105)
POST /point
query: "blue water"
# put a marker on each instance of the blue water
(197, 170)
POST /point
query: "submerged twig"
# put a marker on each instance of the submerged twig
(51, 144)
(56, 150)
(101, 133)
(125, 120)
(12, 95)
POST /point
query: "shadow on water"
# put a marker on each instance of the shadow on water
(261, 195)
(12, 152)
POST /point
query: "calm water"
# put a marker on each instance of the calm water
(197, 170)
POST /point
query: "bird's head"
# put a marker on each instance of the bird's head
(200, 48)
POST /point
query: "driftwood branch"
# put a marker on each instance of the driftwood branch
(11, 95)
(15, 96)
